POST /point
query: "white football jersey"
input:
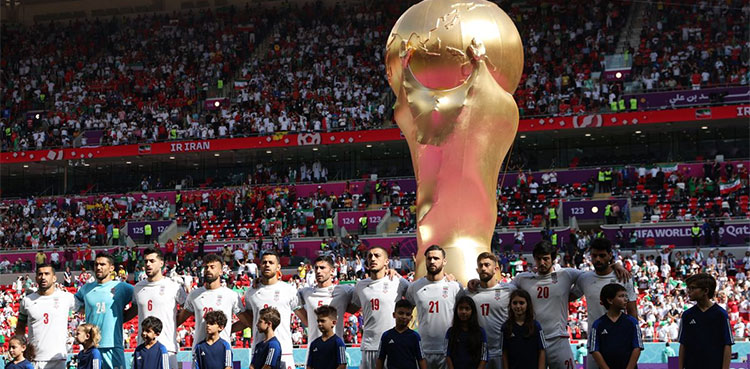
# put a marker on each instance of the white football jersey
(492, 309)
(201, 300)
(378, 300)
(311, 298)
(549, 294)
(434, 302)
(281, 296)
(159, 299)
(590, 284)
(47, 319)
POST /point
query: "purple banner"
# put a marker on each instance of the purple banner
(673, 99)
(350, 219)
(680, 234)
(589, 209)
(135, 229)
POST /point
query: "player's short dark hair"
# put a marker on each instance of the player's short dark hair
(107, 256)
(544, 248)
(609, 292)
(271, 253)
(703, 281)
(44, 265)
(154, 250)
(154, 324)
(434, 248)
(327, 311)
(387, 254)
(212, 258)
(487, 255)
(601, 244)
(403, 303)
(324, 258)
(270, 315)
(216, 317)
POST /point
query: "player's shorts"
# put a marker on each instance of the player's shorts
(369, 359)
(435, 361)
(287, 361)
(112, 357)
(51, 364)
(559, 354)
(495, 362)
(172, 359)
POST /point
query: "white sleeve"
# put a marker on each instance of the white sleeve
(181, 295)
(403, 287)
(630, 289)
(189, 303)
(355, 298)
(294, 301)
(237, 303)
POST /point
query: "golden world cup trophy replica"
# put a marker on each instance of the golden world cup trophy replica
(453, 66)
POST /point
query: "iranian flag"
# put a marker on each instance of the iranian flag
(240, 84)
(729, 187)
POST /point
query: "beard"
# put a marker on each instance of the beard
(207, 278)
(436, 271)
(485, 277)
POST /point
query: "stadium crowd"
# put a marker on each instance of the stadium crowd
(277, 211)
(315, 69)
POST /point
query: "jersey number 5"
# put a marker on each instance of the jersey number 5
(543, 292)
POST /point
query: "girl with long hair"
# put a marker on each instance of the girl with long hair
(467, 341)
(89, 335)
(21, 352)
(523, 339)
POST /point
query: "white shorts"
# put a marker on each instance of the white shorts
(287, 361)
(369, 359)
(495, 363)
(559, 354)
(52, 364)
(435, 360)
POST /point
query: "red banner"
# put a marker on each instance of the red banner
(391, 134)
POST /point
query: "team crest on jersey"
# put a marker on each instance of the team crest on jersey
(498, 295)
(276, 296)
(445, 292)
(161, 290)
(56, 302)
(218, 300)
(554, 277)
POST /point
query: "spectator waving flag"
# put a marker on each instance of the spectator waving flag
(729, 187)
